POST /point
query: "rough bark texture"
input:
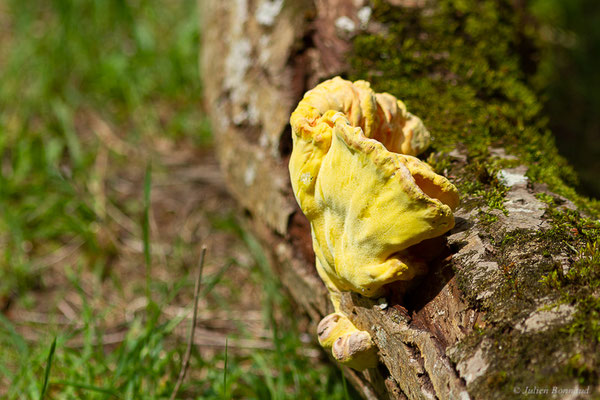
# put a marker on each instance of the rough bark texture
(479, 324)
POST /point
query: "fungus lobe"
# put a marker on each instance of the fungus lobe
(366, 196)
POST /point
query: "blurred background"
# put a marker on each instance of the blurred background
(569, 63)
(109, 188)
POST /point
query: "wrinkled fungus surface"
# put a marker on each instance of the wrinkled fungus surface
(368, 199)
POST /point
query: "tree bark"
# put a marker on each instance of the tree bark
(462, 330)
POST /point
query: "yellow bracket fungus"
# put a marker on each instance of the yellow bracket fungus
(368, 199)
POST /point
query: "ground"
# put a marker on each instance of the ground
(108, 190)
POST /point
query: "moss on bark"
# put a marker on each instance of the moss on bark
(466, 68)
(462, 66)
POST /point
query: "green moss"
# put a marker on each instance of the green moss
(514, 353)
(575, 344)
(459, 67)
(577, 236)
(579, 286)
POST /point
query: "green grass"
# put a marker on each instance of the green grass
(91, 94)
(47, 369)
(145, 365)
(68, 63)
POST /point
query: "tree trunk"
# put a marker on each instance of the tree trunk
(481, 324)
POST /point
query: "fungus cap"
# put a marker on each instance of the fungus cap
(366, 203)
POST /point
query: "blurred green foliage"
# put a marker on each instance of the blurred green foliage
(71, 73)
(569, 62)
(132, 64)
(145, 364)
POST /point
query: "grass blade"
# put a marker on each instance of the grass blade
(48, 366)
(146, 229)
(188, 352)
